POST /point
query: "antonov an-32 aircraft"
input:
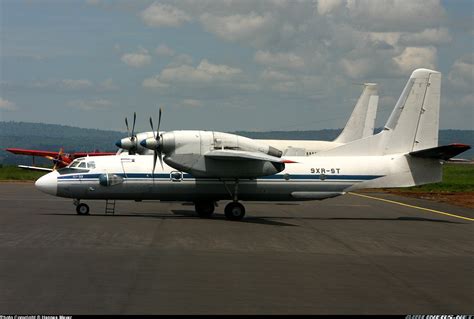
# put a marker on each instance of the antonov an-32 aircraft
(205, 167)
(361, 124)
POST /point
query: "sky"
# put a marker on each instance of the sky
(228, 65)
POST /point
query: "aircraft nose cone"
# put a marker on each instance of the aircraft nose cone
(119, 143)
(48, 183)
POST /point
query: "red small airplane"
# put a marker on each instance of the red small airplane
(60, 159)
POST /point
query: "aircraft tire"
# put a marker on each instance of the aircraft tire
(204, 209)
(234, 211)
(82, 209)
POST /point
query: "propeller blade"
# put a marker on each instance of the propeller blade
(133, 125)
(151, 124)
(126, 124)
(155, 154)
(161, 161)
(159, 122)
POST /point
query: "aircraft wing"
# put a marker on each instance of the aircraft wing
(36, 168)
(233, 155)
(84, 154)
(22, 151)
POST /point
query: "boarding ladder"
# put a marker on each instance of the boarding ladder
(109, 206)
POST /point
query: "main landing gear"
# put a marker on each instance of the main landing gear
(233, 211)
(205, 209)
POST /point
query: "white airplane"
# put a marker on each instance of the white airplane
(360, 124)
(205, 167)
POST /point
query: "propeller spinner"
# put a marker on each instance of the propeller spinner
(129, 143)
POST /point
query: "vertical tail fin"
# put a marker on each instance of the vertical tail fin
(413, 124)
(362, 121)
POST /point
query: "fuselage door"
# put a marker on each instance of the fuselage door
(127, 165)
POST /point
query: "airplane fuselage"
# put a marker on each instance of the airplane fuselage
(129, 177)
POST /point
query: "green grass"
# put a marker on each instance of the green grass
(456, 178)
(15, 173)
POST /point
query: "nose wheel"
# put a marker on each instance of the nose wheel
(82, 209)
(234, 211)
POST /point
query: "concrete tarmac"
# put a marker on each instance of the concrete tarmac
(346, 255)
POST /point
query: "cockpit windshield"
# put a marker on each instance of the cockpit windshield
(78, 165)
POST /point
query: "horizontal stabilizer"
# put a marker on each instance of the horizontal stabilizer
(36, 168)
(233, 155)
(444, 152)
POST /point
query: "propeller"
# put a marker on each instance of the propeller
(132, 135)
(157, 152)
(58, 159)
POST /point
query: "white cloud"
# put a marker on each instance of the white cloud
(75, 84)
(272, 75)
(431, 36)
(327, 6)
(181, 59)
(154, 82)
(164, 15)
(461, 75)
(137, 59)
(416, 57)
(357, 68)
(6, 105)
(108, 85)
(204, 74)
(164, 50)
(191, 103)
(91, 105)
(238, 26)
(395, 15)
(279, 60)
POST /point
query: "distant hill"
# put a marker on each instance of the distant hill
(52, 137)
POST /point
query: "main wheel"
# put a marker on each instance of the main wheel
(82, 209)
(204, 209)
(234, 211)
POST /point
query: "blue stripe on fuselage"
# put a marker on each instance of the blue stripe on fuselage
(189, 176)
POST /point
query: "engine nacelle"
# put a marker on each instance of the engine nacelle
(186, 150)
(201, 142)
(128, 144)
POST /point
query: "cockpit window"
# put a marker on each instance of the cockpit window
(90, 164)
(82, 165)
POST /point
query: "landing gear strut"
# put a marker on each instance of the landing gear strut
(204, 209)
(234, 210)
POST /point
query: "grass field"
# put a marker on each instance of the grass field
(15, 173)
(456, 178)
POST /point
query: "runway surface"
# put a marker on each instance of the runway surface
(347, 255)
